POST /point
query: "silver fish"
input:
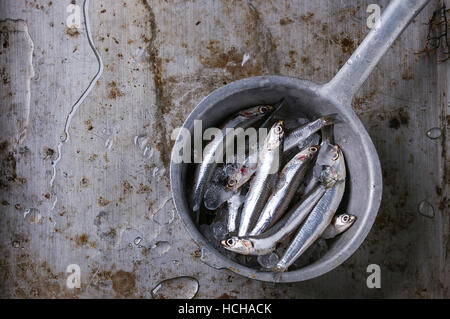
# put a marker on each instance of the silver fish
(266, 242)
(265, 177)
(339, 224)
(310, 141)
(328, 155)
(324, 158)
(288, 182)
(299, 135)
(216, 192)
(320, 217)
(203, 172)
(246, 170)
(243, 173)
(234, 204)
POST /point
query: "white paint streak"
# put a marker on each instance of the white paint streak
(245, 58)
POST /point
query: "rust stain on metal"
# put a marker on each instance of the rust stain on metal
(72, 32)
(124, 283)
(114, 91)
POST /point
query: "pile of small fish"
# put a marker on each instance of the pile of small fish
(283, 198)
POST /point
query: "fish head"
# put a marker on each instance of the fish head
(343, 222)
(233, 181)
(328, 154)
(308, 153)
(275, 136)
(257, 110)
(238, 245)
(330, 166)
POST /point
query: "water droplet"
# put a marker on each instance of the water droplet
(161, 247)
(350, 62)
(268, 261)
(125, 89)
(132, 238)
(109, 143)
(16, 244)
(165, 215)
(107, 131)
(148, 152)
(158, 172)
(142, 142)
(434, 133)
(137, 240)
(32, 215)
(176, 288)
(426, 209)
(176, 262)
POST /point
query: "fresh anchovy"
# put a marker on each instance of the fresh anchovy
(310, 141)
(204, 170)
(234, 204)
(299, 135)
(243, 173)
(217, 192)
(319, 218)
(246, 170)
(265, 243)
(288, 182)
(338, 225)
(265, 177)
(324, 157)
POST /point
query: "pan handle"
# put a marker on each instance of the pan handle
(358, 67)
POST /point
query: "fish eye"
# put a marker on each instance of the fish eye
(263, 109)
(345, 218)
(231, 182)
(230, 242)
(278, 129)
(335, 157)
(313, 149)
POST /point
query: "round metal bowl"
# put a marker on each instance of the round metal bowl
(363, 188)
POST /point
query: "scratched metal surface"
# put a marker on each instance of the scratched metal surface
(107, 208)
